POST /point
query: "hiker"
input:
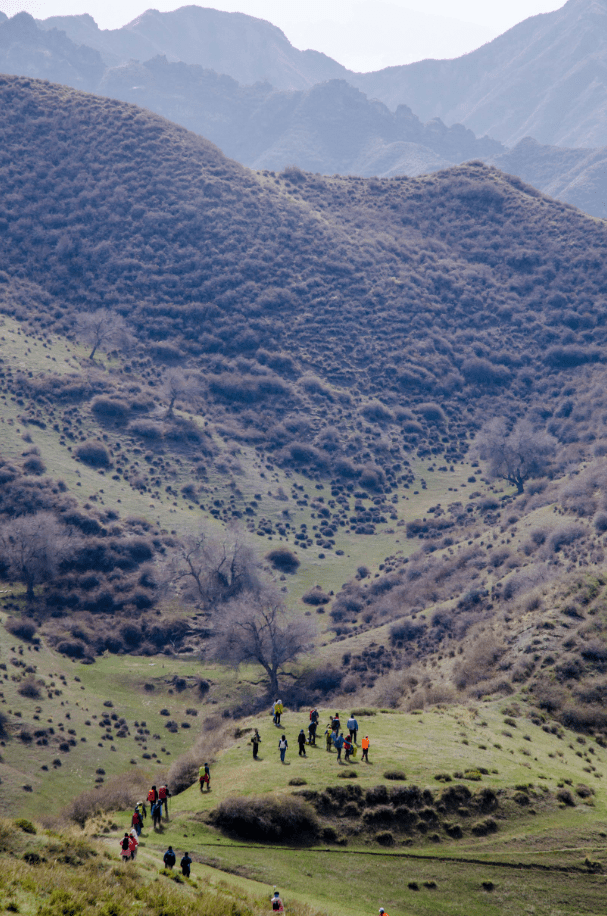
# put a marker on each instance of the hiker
(156, 813)
(163, 797)
(153, 795)
(256, 741)
(277, 903)
(353, 729)
(301, 740)
(335, 723)
(338, 741)
(282, 747)
(204, 777)
(312, 734)
(125, 848)
(143, 811)
(274, 705)
(348, 748)
(137, 821)
(278, 708)
(133, 843)
(382, 912)
(329, 734)
(365, 747)
(169, 858)
(185, 865)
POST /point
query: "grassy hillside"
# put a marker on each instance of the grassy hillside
(474, 292)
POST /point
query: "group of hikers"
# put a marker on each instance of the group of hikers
(334, 737)
(158, 798)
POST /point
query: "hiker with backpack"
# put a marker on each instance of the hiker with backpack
(282, 747)
(365, 746)
(157, 814)
(312, 734)
(125, 848)
(353, 729)
(137, 821)
(133, 843)
(278, 709)
(335, 723)
(163, 797)
(348, 748)
(185, 865)
(153, 795)
(169, 858)
(338, 741)
(276, 902)
(204, 777)
(301, 741)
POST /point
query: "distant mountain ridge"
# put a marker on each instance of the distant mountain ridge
(545, 78)
(329, 127)
(248, 49)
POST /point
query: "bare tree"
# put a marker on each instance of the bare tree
(212, 571)
(518, 455)
(179, 385)
(32, 547)
(103, 329)
(255, 629)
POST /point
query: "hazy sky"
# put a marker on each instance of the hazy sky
(362, 34)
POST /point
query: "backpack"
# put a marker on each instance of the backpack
(151, 796)
(169, 858)
(125, 843)
(162, 792)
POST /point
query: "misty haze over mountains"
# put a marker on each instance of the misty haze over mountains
(239, 82)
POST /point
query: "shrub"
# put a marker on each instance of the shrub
(146, 429)
(110, 409)
(395, 775)
(34, 465)
(284, 560)
(315, 597)
(381, 814)
(566, 798)
(376, 412)
(29, 688)
(432, 413)
(406, 631)
(119, 793)
(378, 795)
(93, 453)
(268, 818)
(485, 827)
(25, 825)
(22, 629)
(298, 781)
(384, 838)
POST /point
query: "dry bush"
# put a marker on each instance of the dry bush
(22, 629)
(107, 408)
(270, 818)
(120, 792)
(283, 559)
(93, 453)
(183, 772)
(479, 662)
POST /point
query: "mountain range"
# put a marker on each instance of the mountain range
(237, 81)
(544, 78)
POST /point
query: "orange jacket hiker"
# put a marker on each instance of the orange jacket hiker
(365, 747)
